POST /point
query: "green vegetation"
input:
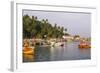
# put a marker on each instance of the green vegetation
(32, 27)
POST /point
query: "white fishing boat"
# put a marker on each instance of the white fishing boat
(59, 44)
(52, 43)
(56, 44)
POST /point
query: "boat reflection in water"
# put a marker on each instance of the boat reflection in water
(70, 51)
(28, 58)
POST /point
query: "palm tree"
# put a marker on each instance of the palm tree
(65, 29)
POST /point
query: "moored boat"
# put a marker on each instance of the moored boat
(84, 44)
(27, 49)
(62, 45)
(59, 44)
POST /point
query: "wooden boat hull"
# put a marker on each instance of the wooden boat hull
(28, 51)
(84, 46)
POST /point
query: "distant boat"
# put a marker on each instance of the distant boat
(56, 44)
(84, 44)
(62, 45)
(52, 44)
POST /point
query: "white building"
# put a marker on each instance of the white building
(68, 37)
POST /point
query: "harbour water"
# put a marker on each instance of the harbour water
(69, 51)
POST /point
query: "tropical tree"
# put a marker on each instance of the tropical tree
(32, 27)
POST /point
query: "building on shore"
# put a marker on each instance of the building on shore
(68, 37)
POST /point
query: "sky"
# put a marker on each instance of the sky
(76, 23)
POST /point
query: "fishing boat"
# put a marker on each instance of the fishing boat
(84, 44)
(52, 44)
(28, 51)
(56, 44)
(62, 45)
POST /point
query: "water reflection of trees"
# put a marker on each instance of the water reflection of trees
(42, 54)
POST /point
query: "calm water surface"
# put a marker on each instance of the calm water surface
(69, 51)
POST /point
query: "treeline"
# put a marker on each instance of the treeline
(32, 27)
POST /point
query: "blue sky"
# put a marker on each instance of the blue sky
(76, 23)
